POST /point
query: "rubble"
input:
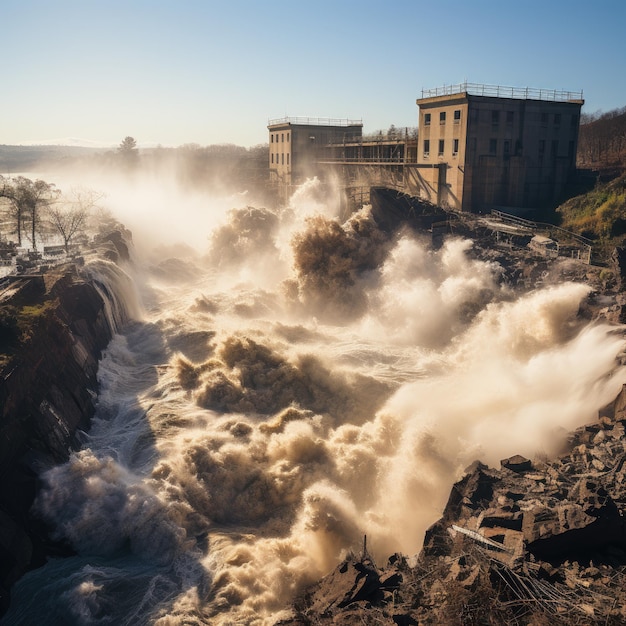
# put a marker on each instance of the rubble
(534, 542)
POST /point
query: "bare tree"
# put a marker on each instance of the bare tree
(26, 198)
(69, 218)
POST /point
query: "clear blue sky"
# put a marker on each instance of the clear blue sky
(192, 71)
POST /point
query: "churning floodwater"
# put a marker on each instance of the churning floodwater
(288, 384)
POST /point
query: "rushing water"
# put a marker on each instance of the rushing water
(293, 386)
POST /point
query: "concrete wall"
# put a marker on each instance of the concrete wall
(442, 139)
(519, 152)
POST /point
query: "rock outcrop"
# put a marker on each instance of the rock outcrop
(531, 542)
(53, 329)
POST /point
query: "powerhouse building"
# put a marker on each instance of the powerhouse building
(298, 143)
(478, 147)
(483, 147)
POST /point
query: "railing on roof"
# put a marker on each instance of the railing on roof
(498, 91)
(315, 121)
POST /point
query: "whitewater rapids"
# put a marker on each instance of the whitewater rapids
(293, 386)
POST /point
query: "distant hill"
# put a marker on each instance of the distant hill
(15, 159)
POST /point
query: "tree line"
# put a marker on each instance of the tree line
(602, 140)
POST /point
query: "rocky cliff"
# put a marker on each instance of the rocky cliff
(53, 328)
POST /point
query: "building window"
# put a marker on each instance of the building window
(509, 118)
(554, 148)
(287, 137)
(557, 119)
(287, 152)
(493, 146)
(272, 157)
(506, 148)
(495, 118)
(544, 119)
(455, 149)
(457, 116)
(426, 119)
(542, 149)
(442, 117)
(271, 137)
(426, 148)
(441, 146)
(283, 159)
(282, 137)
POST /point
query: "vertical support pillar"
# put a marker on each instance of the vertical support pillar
(442, 186)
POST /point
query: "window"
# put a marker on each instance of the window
(493, 146)
(544, 119)
(457, 116)
(441, 146)
(509, 118)
(426, 119)
(426, 148)
(557, 119)
(455, 149)
(283, 159)
(554, 148)
(271, 137)
(282, 137)
(272, 157)
(495, 118)
(506, 148)
(288, 140)
(442, 117)
(287, 152)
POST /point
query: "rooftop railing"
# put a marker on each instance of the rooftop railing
(499, 91)
(315, 121)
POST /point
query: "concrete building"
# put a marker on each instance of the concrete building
(298, 144)
(483, 147)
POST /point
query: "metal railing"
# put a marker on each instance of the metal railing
(339, 159)
(519, 221)
(315, 121)
(499, 91)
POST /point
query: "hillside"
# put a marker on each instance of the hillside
(599, 215)
(596, 200)
(602, 141)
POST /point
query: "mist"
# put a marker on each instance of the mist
(292, 382)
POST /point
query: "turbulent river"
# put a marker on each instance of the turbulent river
(285, 388)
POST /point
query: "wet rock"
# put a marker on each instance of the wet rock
(517, 463)
(47, 389)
